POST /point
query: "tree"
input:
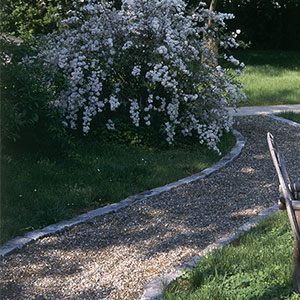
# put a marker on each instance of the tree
(267, 24)
(210, 37)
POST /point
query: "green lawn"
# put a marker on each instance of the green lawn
(37, 192)
(258, 266)
(271, 77)
(293, 116)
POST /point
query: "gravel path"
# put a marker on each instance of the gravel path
(116, 255)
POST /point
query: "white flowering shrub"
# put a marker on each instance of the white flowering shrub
(148, 61)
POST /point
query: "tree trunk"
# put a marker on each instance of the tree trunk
(211, 42)
(212, 7)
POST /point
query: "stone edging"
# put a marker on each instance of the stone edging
(154, 289)
(20, 242)
(283, 120)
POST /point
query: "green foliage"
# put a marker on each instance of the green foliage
(128, 134)
(28, 121)
(266, 24)
(25, 18)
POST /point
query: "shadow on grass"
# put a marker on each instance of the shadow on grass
(273, 292)
(278, 59)
(272, 97)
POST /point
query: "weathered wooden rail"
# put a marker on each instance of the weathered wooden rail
(289, 200)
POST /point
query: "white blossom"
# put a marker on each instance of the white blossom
(136, 71)
(149, 50)
(110, 125)
(134, 112)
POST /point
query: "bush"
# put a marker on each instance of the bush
(23, 18)
(28, 18)
(149, 61)
(28, 122)
(267, 24)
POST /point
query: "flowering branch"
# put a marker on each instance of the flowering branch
(144, 59)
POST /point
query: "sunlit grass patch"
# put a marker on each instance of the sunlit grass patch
(257, 266)
(271, 77)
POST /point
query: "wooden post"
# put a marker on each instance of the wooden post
(296, 259)
(289, 200)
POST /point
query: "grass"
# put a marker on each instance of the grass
(37, 192)
(258, 266)
(290, 115)
(271, 77)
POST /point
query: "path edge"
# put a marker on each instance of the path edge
(154, 289)
(21, 241)
(290, 122)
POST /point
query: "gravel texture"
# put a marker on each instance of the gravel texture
(116, 255)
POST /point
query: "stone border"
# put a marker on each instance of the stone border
(20, 242)
(292, 123)
(155, 288)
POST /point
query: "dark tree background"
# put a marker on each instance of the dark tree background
(267, 24)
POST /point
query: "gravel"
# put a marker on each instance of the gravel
(114, 256)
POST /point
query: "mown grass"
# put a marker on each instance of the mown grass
(290, 115)
(271, 77)
(258, 266)
(37, 192)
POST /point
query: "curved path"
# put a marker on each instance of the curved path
(116, 255)
(263, 110)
